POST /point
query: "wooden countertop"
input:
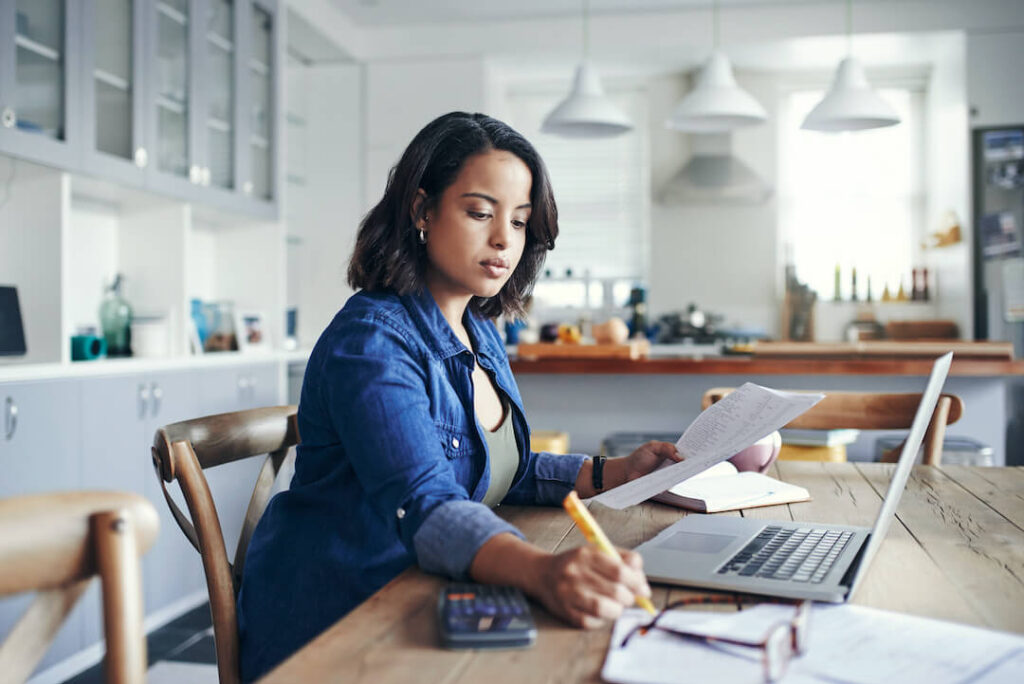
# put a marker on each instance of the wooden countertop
(951, 554)
(741, 365)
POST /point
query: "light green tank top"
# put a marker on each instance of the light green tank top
(503, 453)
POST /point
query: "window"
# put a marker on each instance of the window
(852, 199)
(602, 188)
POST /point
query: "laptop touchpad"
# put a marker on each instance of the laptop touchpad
(695, 542)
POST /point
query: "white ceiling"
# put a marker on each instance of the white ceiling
(397, 12)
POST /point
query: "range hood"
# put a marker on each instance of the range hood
(714, 176)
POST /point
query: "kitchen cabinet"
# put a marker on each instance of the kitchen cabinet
(39, 452)
(119, 418)
(39, 86)
(96, 433)
(112, 74)
(176, 96)
(211, 106)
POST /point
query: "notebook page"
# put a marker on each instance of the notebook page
(724, 428)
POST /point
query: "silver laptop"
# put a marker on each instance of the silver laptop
(785, 558)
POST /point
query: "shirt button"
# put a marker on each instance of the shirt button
(455, 442)
(400, 513)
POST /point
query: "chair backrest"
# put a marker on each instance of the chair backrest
(180, 452)
(54, 544)
(871, 411)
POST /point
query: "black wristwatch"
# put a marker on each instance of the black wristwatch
(598, 473)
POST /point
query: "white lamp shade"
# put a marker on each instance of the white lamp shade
(717, 104)
(586, 112)
(850, 104)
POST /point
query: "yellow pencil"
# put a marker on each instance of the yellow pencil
(595, 535)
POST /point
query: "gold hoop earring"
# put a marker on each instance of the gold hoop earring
(422, 237)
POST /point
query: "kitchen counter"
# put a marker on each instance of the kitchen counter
(745, 365)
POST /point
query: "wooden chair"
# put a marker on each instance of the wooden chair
(54, 544)
(181, 451)
(872, 411)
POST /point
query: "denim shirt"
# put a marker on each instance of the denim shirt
(391, 470)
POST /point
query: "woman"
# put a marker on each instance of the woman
(411, 423)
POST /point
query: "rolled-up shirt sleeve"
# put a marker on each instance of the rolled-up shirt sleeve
(546, 480)
(376, 390)
(449, 538)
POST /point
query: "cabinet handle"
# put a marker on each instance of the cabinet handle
(141, 157)
(144, 394)
(243, 383)
(10, 418)
(247, 187)
(195, 174)
(157, 395)
(8, 118)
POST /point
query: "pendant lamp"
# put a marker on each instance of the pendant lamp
(717, 104)
(850, 104)
(586, 112)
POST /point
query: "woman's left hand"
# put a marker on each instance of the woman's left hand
(618, 471)
(646, 458)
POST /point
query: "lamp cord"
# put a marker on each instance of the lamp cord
(586, 30)
(715, 23)
(849, 28)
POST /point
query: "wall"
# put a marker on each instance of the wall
(32, 223)
(322, 211)
(402, 96)
(723, 256)
(947, 169)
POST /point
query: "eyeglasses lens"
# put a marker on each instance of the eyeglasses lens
(778, 650)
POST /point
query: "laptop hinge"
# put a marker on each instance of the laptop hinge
(851, 571)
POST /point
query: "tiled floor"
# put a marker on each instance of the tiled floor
(188, 639)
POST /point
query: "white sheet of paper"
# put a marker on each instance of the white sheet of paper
(846, 644)
(735, 422)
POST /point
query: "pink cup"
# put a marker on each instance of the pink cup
(759, 455)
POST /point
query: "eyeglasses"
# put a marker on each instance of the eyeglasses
(778, 645)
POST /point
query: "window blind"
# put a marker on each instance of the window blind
(601, 186)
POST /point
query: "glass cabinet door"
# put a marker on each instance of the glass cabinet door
(35, 87)
(113, 77)
(40, 67)
(261, 109)
(220, 94)
(171, 90)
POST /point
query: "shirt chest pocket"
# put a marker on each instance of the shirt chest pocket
(456, 442)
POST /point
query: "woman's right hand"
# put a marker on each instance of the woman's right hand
(586, 587)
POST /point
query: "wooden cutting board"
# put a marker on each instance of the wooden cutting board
(880, 349)
(634, 349)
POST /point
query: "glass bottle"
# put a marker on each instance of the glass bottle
(116, 320)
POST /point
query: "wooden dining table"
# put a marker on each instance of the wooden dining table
(956, 552)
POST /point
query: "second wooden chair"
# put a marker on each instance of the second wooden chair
(872, 411)
(54, 544)
(181, 451)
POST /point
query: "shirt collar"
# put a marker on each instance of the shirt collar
(438, 335)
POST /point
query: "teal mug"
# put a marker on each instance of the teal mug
(87, 347)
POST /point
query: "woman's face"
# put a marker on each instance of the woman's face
(477, 230)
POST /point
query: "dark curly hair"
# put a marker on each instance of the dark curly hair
(387, 254)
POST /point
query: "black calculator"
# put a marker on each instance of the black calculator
(484, 616)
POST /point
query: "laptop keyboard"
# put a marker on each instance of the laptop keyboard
(799, 555)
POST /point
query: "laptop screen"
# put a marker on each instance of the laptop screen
(925, 409)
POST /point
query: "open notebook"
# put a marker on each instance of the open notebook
(722, 488)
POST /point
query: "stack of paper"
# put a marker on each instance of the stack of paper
(845, 644)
